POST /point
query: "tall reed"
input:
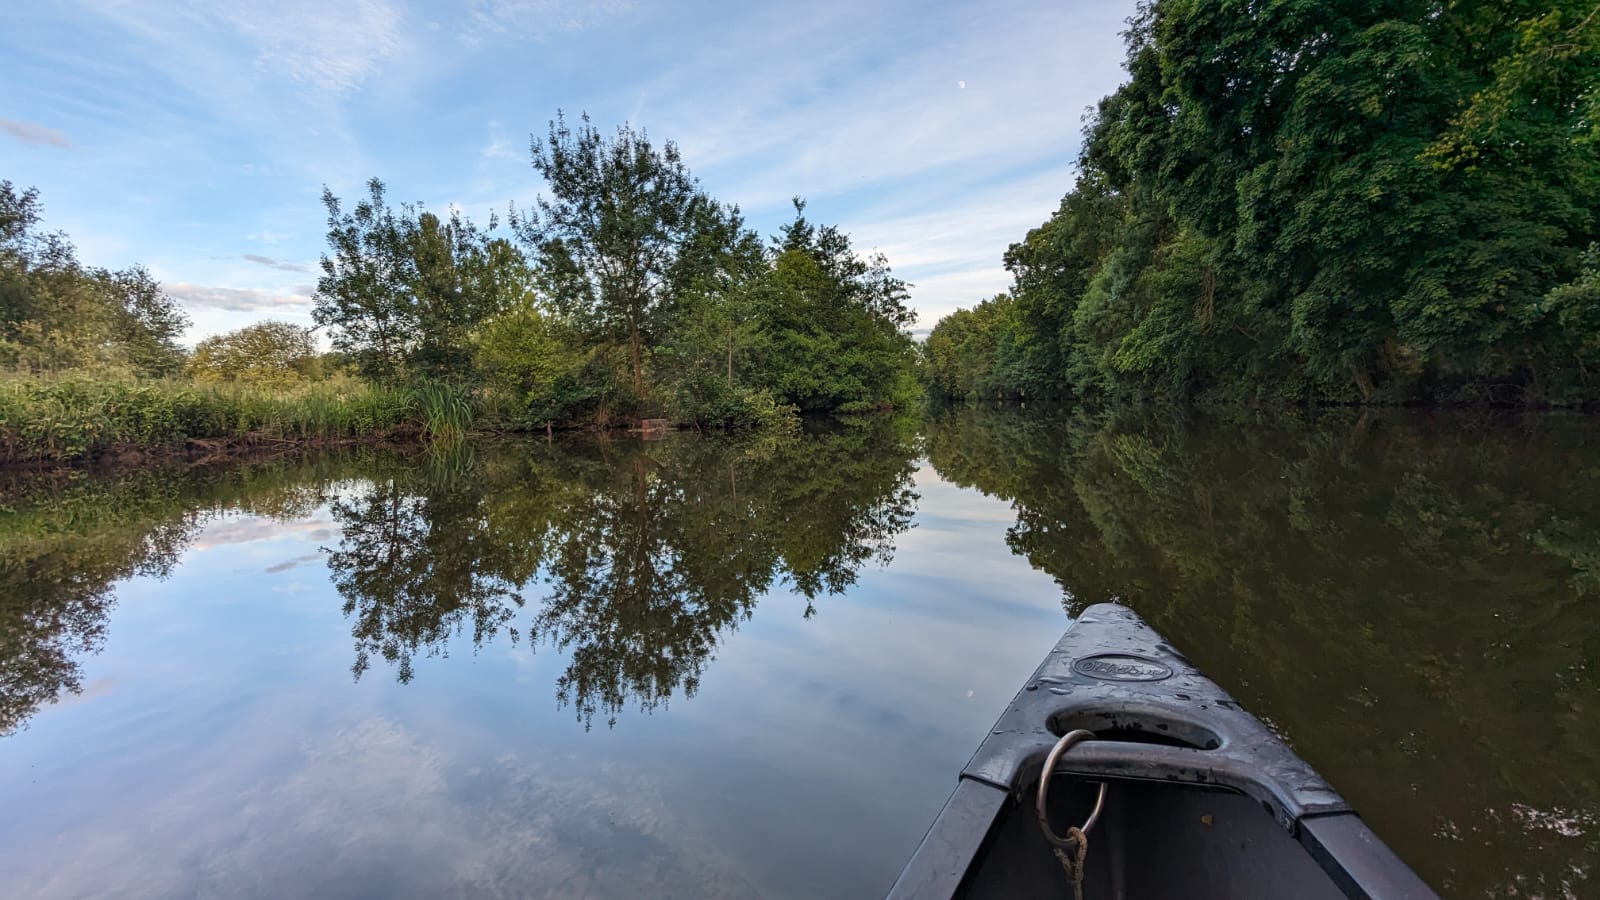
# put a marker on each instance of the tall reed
(444, 409)
(79, 416)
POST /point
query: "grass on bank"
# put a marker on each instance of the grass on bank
(76, 417)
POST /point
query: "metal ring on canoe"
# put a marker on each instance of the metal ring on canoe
(1066, 743)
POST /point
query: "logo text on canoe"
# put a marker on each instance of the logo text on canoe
(1121, 667)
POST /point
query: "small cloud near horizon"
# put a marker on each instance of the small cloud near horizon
(239, 299)
(35, 134)
(279, 264)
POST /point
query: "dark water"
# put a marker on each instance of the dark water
(702, 668)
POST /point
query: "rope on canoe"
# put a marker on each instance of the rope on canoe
(1074, 867)
(1073, 849)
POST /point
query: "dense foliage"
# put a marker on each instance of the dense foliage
(1318, 201)
(403, 289)
(279, 354)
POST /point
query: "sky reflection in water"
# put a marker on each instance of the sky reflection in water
(700, 668)
(222, 746)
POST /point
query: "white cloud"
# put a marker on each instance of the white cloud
(953, 254)
(502, 146)
(940, 177)
(814, 106)
(239, 299)
(34, 133)
(333, 45)
(276, 806)
(228, 530)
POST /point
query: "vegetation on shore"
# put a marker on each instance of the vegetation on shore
(628, 294)
(1322, 203)
(74, 417)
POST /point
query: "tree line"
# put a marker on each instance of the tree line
(1373, 201)
(59, 314)
(627, 293)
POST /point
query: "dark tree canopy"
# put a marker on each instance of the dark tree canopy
(1325, 201)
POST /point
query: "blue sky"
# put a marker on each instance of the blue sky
(194, 136)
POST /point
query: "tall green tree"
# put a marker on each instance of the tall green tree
(403, 289)
(833, 323)
(624, 222)
(363, 297)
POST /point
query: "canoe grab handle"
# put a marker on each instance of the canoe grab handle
(1136, 724)
(1074, 835)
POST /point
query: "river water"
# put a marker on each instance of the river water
(698, 667)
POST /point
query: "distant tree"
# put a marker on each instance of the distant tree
(58, 314)
(274, 354)
(974, 353)
(146, 322)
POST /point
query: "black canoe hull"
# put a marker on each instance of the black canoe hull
(1202, 799)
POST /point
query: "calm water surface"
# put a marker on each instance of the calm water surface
(699, 668)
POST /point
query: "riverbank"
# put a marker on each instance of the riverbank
(72, 420)
(69, 419)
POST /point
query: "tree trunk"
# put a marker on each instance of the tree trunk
(730, 356)
(637, 352)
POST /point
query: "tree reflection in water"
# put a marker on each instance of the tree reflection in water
(66, 539)
(1409, 599)
(632, 558)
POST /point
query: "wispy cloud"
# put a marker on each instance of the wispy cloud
(936, 131)
(534, 18)
(239, 299)
(940, 152)
(953, 254)
(34, 133)
(503, 146)
(279, 264)
(333, 45)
